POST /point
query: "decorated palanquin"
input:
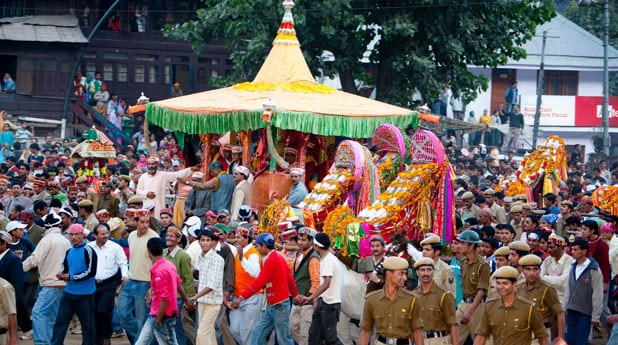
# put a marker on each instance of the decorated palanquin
(420, 199)
(353, 181)
(606, 199)
(391, 152)
(541, 171)
(93, 154)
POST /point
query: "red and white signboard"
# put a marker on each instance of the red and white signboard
(569, 111)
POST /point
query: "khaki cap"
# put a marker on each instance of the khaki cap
(85, 203)
(125, 177)
(431, 239)
(516, 209)
(520, 197)
(505, 272)
(530, 260)
(395, 263)
(538, 212)
(467, 195)
(135, 200)
(502, 251)
(424, 262)
(526, 206)
(489, 192)
(519, 245)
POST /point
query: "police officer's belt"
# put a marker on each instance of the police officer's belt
(393, 341)
(435, 334)
(468, 299)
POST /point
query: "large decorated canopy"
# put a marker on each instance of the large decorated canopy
(302, 104)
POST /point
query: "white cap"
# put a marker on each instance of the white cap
(13, 225)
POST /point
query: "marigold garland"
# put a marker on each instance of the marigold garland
(336, 224)
(548, 158)
(606, 198)
(272, 215)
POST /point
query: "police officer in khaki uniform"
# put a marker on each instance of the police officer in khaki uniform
(437, 307)
(502, 259)
(510, 319)
(8, 311)
(518, 249)
(443, 274)
(393, 310)
(542, 295)
(474, 282)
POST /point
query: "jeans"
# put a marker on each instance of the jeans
(44, 314)
(613, 336)
(324, 324)
(180, 332)
(577, 328)
(164, 334)
(83, 306)
(132, 309)
(275, 317)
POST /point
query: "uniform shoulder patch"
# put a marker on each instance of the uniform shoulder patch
(525, 300)
(492, 299)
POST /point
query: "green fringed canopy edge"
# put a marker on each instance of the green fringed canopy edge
(306, 122)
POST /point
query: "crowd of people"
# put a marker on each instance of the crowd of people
(193, 268)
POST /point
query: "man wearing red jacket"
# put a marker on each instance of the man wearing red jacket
(280, 285)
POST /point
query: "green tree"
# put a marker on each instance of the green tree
(591, 19)
(422, 43)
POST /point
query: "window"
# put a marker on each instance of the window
(49, 65)
(166, 75)
(91, 67)
(115, 56)
(138, 74)
(26, 65)
(561, 83)
(214, 73)
(177, 59)
(145, 58)
(65, 66)
(152, 74)
(201, 76)
(121, 73)
(108, 72)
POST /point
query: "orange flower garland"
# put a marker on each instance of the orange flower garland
(273, 214)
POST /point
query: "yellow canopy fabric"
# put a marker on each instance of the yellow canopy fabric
(302, 104)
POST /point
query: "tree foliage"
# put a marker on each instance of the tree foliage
(422, 43)
(591, 19)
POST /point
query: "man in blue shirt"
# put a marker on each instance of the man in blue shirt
(78, 270)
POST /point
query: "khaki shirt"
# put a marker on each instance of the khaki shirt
(543, 296)
(499, 213)
(91, 222)
(474, 276)
(472, 212)
(7, 302)
(511, 325)
(437, 308)
(444, 277)
(393, 319)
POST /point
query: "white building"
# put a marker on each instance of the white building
(571, 103)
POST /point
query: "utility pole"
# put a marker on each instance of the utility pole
(539, 94)
(605, 107)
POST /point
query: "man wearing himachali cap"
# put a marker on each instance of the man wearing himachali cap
(299, 191)
(242, 191)
(153, 184)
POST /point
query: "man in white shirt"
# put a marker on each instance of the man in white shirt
(556, 268)
(327, 298)
(112, 270)
(210, 291)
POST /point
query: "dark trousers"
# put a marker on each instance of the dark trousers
(23, 317)
(83, 306)
(104, 298)
(30, 291)
(577, 328)
(323, 328)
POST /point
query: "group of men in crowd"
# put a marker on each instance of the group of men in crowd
(195, 270)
